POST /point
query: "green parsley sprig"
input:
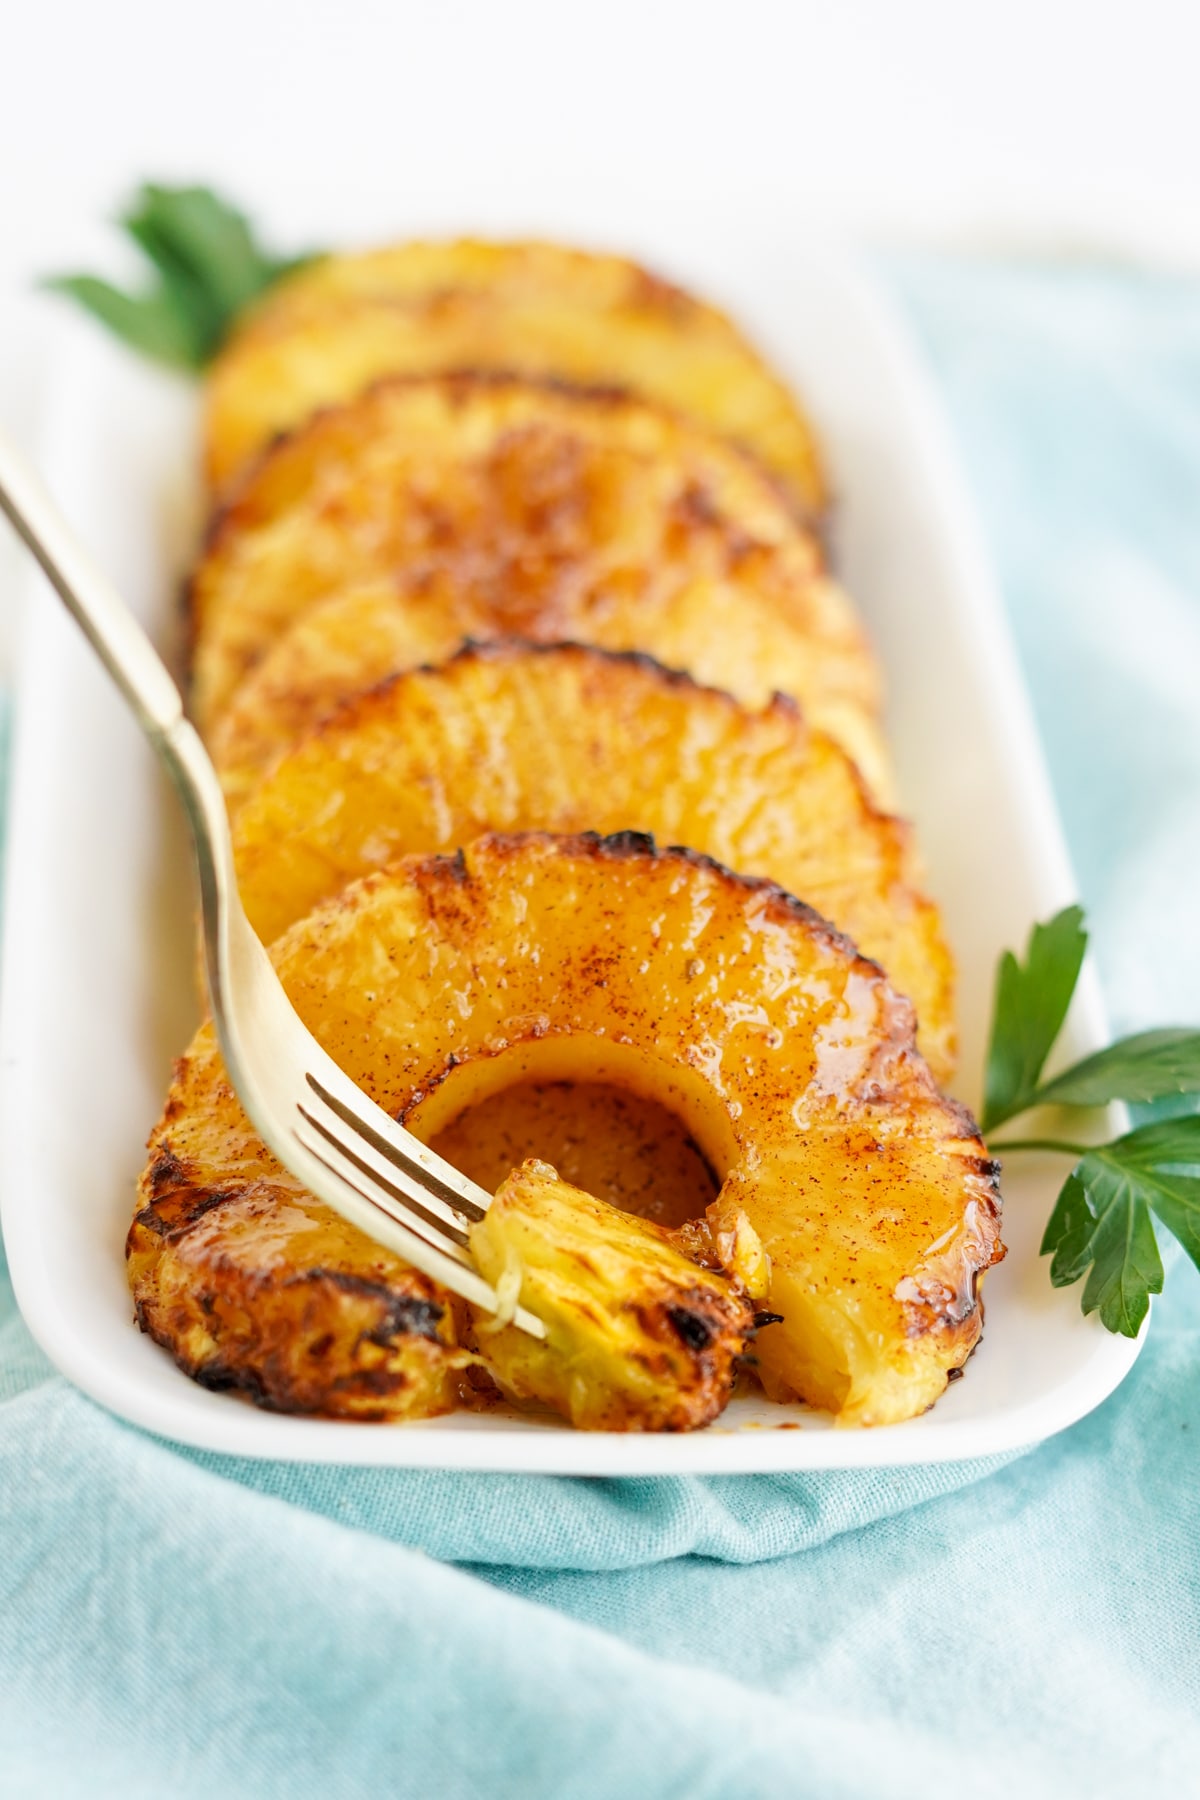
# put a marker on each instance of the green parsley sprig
(1102, 1225)
(207, 265)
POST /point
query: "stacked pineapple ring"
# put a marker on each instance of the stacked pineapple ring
(535, 558)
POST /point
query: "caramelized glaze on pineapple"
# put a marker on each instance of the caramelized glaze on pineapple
(444, 979)
(465, 507)
(513, 738)
(538, 309)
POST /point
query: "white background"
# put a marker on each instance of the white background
(991, 124)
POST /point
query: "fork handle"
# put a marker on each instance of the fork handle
(143, 678)
(90, 597)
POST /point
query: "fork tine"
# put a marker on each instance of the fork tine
(446, 1225)
(415, 1239)
(438, 1179)
(386, 1199)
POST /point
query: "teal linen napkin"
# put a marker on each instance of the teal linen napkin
(173, 1622)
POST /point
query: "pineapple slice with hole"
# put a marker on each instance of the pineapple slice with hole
(509, 737)
(638, 1337)
(467, 507)
(442, 980)
(332, 329)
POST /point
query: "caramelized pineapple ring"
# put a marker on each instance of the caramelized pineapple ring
(466, 507)
(509, 737)
(442, 979)
(638, 1337)
(338, 325)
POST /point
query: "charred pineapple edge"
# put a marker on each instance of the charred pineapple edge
(397, 1339)
(411, 1342)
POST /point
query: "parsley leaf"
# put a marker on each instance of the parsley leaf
(1110, 1232)
(1148, 1066)
(1163, 1160)
(1102, 1220)
(149, 322)
(1102, 1226)
(1030, 1006)
(208, 267)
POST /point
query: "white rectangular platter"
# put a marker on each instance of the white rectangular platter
(97, 976)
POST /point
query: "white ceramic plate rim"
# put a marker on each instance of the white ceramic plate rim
(141, 1385)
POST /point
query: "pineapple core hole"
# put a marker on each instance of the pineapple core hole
(624, 1148)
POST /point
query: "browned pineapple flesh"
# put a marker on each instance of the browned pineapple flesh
(253, 1285)
(511, 738)
(635, 1332)
(357, 640)
(615, 1145)
(442, 980)
(331, 330)
(431, 511)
